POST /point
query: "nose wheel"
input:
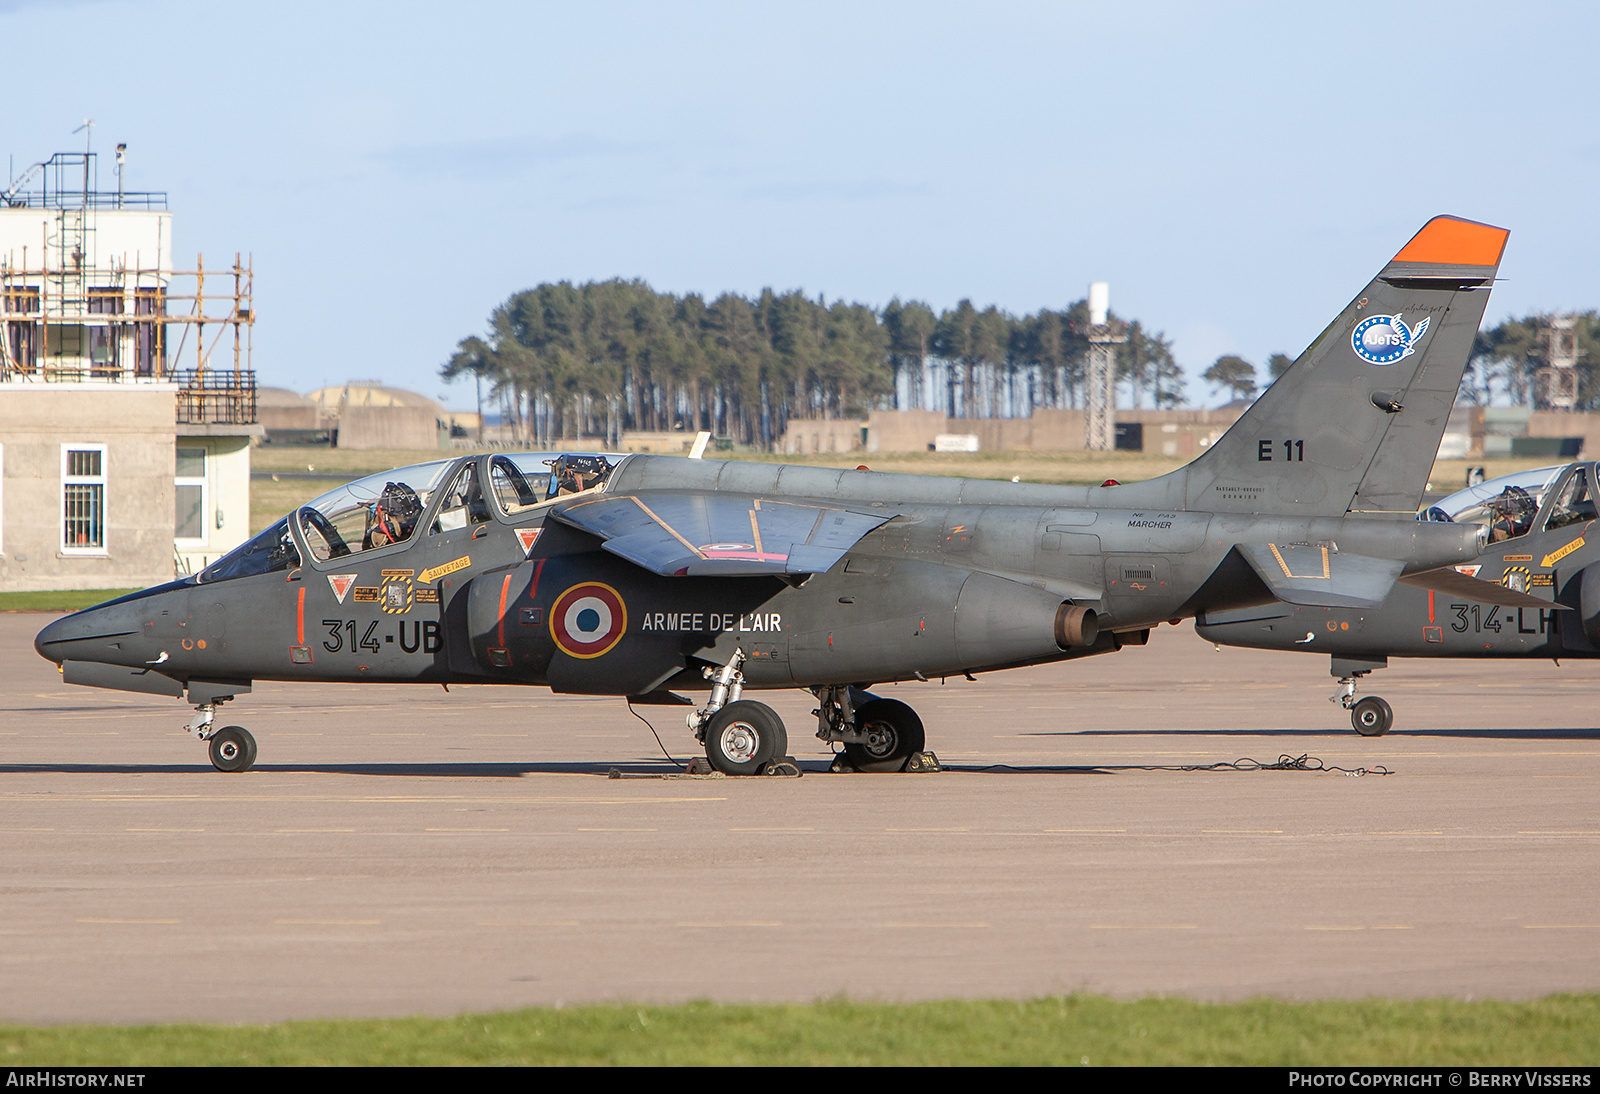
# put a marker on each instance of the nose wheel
(1371, 716)
(232, 749)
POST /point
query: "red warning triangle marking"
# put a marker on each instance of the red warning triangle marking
(527, 536)
(341, 584)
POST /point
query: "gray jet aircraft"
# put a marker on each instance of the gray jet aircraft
(1534, 592)
(643, 576)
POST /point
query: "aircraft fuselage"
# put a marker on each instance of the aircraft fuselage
(939, 589)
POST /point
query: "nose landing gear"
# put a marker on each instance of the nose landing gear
(231, 748)
(1370, 716)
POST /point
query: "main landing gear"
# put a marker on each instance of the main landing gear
(743, 737)
(231, 748)
(877, 734)
(1370, 716)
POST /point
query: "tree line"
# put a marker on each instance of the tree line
(563, 360)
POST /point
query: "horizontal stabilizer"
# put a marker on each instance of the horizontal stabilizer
(705, 534)
(1321, 577)
(1447, 579)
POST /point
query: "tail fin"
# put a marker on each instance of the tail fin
(1355, 423)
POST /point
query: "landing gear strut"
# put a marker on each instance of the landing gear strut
(741, 737)
(1370, 716)
(877, 734)
(231, 748)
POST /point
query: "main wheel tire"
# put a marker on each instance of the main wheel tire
(744, 737)
(893, 733)
(1372, 717)
(232, 749)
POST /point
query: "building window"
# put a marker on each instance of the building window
(83, 499)
(105, 339)
(16, 301)
(149, 346)
(189, 525)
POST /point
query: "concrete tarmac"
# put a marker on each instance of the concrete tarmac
(400, 850)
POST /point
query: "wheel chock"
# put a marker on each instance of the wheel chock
(920, 762)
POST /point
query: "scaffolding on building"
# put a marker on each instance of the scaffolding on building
(1558, 380)
(64, 318)
(1104, 334)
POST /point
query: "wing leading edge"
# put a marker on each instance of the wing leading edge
(700, 534)
(1322, 577)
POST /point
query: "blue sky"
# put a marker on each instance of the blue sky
(1236, 171)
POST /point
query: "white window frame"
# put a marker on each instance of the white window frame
(204, 483)
(2, 497)
(85, 480)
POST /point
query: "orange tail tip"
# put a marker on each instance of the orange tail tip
(1455, 242)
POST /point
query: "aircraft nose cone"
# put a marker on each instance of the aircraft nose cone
(43, 638)
(54, 643)
(104, 633)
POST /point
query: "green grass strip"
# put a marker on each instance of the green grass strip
(1556, 1031)
(71, 600)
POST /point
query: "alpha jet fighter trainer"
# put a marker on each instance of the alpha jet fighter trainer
(1533, 592)
(653, 575)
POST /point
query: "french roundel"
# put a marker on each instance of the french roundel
(588, 619)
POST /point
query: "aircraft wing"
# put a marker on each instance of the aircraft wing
(1321, 577)
(698, 534)
(1447, 579)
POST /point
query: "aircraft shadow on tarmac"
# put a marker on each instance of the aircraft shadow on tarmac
(658, 769)
(459, 770)
(602, 770)
(501, 770)
(409, 770)
(1502, 734)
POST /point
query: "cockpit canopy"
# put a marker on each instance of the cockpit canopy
(371, 512)
(269, 551)
(514, 477)
(1514, 505)
(388, 508)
